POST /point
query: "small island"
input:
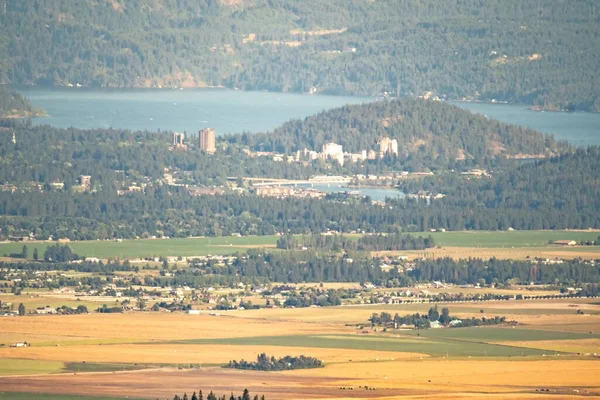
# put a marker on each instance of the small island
(15, 105)
(266, 363)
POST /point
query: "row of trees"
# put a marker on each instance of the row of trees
(212, 396)
(266, 363)
(423, 321)
(396, 241)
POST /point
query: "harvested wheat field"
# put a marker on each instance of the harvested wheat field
(507, 253)
(151, 327)
(189, 353)
(390, 380)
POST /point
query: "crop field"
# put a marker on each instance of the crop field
(430, 346)
(506, 253)
(153, 247)
(510, 239)
(582, 346)
(427, 378)
(156, 355)
(502, 334)
(456, 244)
(34, 396)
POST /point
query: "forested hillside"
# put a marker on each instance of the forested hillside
(427, 130)
(14, 105)
(542, 52)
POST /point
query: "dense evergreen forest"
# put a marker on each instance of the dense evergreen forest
(557, 193)
(376, 242)
(541, 52)
(14, 105)
(427, 132)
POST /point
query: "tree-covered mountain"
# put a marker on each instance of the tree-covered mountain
(14, 105)
(433, 131)
(542, 52)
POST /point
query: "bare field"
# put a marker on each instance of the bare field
(153, 327)
(517, 253)
(392, 380)
(528, 311)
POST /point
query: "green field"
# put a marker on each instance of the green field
(436, 347)
(232, 244)
(155, 247)
(494, 239)
(500, 334)
(26, 367)
(37, 396)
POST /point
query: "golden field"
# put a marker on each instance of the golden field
(508, 253)
(190, 353)
(152, 327)
(150, 338)
(392, 380)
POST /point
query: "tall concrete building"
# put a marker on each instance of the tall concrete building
(207, 140)
(387, 146)
(177, 139)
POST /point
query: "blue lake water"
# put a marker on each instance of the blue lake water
(377, 194)
(231, 111)
(188, 110)
(579, 128)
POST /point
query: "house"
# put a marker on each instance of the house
(193, 312)
(435, 324)
(44, 310)
(455, 322)
(565, 242)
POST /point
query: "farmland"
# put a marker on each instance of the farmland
(155, 354)
(453, 244)
(187, 350)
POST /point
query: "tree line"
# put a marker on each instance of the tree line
(266, 363)
(212, 396)
(376, 242)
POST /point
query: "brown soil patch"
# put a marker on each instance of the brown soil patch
(502, 253)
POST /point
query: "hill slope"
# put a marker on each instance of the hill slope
(433, 130)
(14, 105)
(537, 52)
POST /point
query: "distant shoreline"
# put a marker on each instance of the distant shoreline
(531, 107)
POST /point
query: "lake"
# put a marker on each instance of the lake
(187, 110)
(378, 194)
(231, 111)
(579, 128)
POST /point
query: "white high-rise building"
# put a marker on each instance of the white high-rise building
(387, 146)
(334, 151)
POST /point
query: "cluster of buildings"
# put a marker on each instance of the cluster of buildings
(335, 152)
(206, 141)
